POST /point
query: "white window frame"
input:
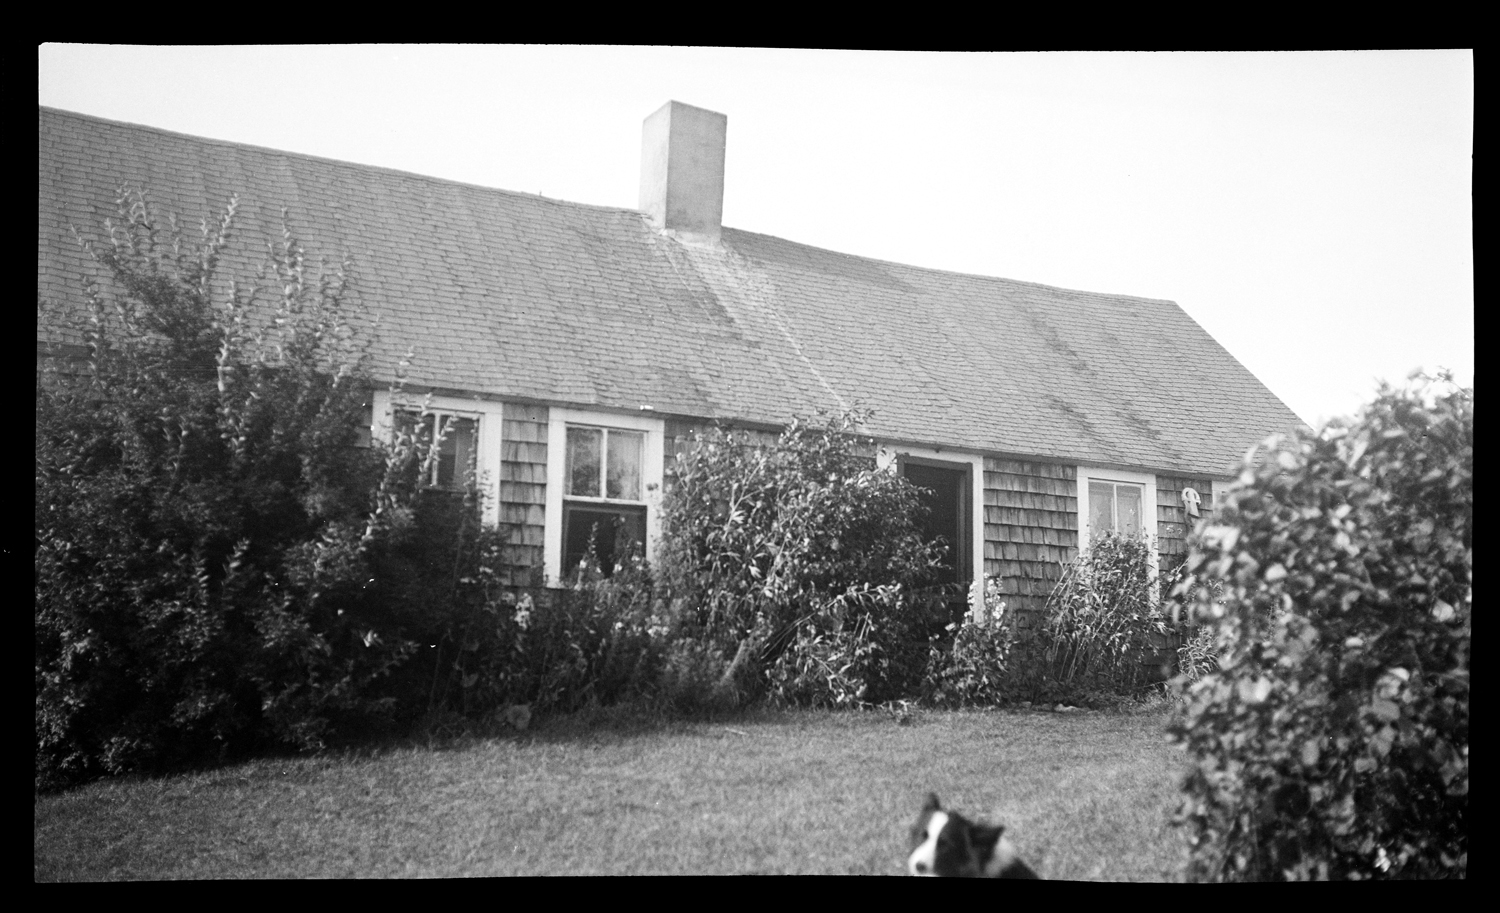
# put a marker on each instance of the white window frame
(487, 417)
(887, 457)
(1146, 480)
(1217, 494)
(441, 417)
(558, 420)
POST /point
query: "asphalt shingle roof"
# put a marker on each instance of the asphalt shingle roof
(510, 295)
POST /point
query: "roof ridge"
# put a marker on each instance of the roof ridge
(1114, 296)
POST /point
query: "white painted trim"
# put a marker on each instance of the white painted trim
(652, 469)
(1087, 474)
(1220, 489)
(489, 415)
(885, 458)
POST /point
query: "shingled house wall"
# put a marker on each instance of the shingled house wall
(523, 491)
(1030, 529)
(1172, 522)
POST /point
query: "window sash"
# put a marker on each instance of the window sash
(604, 463)
(1116, 507)
(451, 463)
(611, 530)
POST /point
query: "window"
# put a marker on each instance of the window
(1115, 507)
(1117, 501)
(604, 505)
(452, 462)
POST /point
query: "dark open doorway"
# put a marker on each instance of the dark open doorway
(947, 496)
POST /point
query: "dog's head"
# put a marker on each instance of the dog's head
(946, 843)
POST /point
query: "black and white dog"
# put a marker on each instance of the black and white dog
(947, 843)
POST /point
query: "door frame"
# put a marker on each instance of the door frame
(892, 457)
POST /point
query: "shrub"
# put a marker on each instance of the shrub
(762, 540)
(1334, 740)
(1098, 629)
(973, 669)
(599, 641)
(837, 658)
(204, 518)
(693, 679)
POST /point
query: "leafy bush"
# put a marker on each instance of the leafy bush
(1197, 651)
(1098, 630)
(694, 679)
(1198, 655)
(973, 669)
(761, 541)
(204, 518)
(1334, 740)
(836, 657)
(599, 641)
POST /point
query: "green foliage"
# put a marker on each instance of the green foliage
(973, 670)
(1197, 653)
(1333, 742)
(801, 544)
(204, 518)
(1101, 617)
(600, 641)
(1099, 628)
(696, 679)
(835, 656)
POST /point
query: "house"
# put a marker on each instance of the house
(571, 349)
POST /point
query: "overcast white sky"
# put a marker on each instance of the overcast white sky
(1311, 210)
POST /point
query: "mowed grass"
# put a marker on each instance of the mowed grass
(1086, 796)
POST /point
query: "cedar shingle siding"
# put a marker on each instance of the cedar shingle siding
(1030, 527)
(523, 490)
(1172, 521)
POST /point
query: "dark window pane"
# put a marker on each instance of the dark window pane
(611, 531)
(455, 458)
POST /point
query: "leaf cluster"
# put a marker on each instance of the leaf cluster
(805, 542)
(1332, 742)
(205, 512)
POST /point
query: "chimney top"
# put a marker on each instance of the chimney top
(682, 171)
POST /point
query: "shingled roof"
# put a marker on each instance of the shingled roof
(518, 297)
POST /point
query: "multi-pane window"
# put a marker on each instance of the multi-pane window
(1115, 507)
(452, 462)
(603, 508)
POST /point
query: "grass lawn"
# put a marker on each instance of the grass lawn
(1086, 796)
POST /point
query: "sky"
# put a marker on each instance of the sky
(1311, 210)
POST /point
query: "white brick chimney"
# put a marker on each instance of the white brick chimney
(682, 171)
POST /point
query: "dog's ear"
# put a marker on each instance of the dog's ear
(931, 805)
(984, 837)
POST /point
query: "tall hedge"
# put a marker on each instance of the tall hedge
(803, 550)
(204, 516)
(1333, 742)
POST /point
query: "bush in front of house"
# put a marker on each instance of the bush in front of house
(972, 667)
(802, 547)
(1100, 626)
(1101, 621)
(205, 522)
(1333, 741)
(1098, 630)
